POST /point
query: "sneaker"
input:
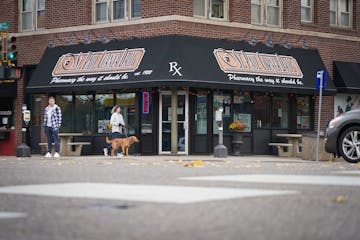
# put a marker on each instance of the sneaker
(119, 155)
(48, 155)
(106, 152)
(56, 155)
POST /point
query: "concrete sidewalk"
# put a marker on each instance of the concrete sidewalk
(249, 158)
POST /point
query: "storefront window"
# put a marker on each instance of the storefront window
(222, 100)
(84, 114)
(261, 110)
(65, 103)
(147, 116)
(103, 105)
(128, 109)
(303, 119)
(201, 113)
(242, 109)
(280, 111)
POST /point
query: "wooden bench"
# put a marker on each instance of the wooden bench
(281, 149)
(78, 148)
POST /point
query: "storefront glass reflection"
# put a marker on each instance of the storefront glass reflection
(84, 114)
(201, 113)
(261, 110)
(103, 105)
(128, 109)
(65, 103)
(222, 100)
(280, 112)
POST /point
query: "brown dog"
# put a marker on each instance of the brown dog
(124, 143)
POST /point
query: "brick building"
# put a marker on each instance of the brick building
(331, 28)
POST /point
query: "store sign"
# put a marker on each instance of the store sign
(95, 63)
(145, 103)
(259, 67)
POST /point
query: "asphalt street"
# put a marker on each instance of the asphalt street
(178, 197)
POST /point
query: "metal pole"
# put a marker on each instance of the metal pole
(221, 134)
(174, 122)
(319, 119)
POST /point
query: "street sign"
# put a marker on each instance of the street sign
(321, 74)
(4, 26)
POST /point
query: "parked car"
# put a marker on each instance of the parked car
(342, 137)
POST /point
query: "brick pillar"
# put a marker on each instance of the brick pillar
(19, 100)
(327, 111)
(43, 104)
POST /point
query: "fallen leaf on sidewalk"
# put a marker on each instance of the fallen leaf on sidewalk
(104, 163)
(340, 199)
(194, 163)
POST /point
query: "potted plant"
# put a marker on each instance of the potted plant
(237, 128)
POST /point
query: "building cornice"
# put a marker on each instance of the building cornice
(138, 21)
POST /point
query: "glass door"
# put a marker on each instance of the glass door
(165, 120)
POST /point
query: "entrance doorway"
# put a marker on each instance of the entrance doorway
(165, 120)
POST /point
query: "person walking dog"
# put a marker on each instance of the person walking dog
(52, 122)
(117, 126)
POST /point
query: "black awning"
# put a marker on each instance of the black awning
(177, 61)
(347, 77)
(8, 88)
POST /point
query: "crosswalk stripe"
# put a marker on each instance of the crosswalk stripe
(6, 215)
(355, 172)
(283, 179)
(134, 192)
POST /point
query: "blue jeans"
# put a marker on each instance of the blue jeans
(52, 135)
(115, 135)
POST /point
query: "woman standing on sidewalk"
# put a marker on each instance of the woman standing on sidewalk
(118, 124)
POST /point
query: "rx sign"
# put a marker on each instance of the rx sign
(175, 69)
(321, 75)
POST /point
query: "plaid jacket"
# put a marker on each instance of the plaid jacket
(55, 117)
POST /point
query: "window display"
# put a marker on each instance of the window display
(303, 120)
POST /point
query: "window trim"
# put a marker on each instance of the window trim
(110, 12)
(338, 15)
(37, 10)
(263, 19)
(311, 12)
(33, 12)
(207, 11)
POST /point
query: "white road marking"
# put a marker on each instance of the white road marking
(145, 193)
(286, 179)
(347, 172)
(6, 215)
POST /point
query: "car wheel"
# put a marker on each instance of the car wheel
(349, 144)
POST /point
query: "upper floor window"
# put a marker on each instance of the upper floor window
(216, 9)
(32, 14)
(112, 10)
(307, 11)
(266, 12)
(341, 13)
